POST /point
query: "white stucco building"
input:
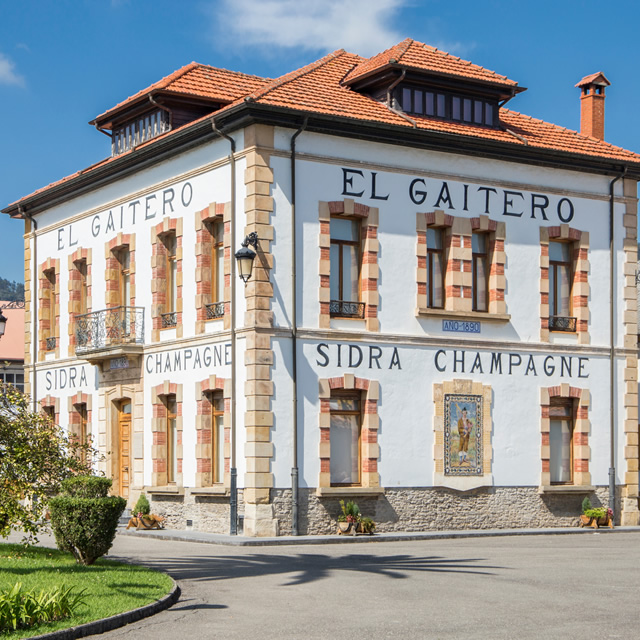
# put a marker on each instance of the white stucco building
(440, 322)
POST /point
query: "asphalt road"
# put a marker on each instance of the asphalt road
(561, 587)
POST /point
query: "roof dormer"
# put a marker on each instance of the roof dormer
(423, 81)
(186, 95)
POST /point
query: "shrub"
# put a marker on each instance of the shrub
(19, 609)
(586, 505)
(86, 487)
(142, 506)
(85, 526)
(35, 456)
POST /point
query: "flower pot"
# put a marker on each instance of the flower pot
(344, 527)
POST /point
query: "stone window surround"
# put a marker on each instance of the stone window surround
(458, 274)
(369, 448)
(113, 268)
(467, 387)
(74, 286)
(369, 271)
(159, 435)
(203, 423)
(579, 241)
(158, 275)
(581, 429)
(215, 212)
(44, 299)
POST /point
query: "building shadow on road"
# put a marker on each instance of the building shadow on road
(307, 568)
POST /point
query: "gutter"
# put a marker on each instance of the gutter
(294, 337)
(233, 489)
(612, 373)
(33, 311)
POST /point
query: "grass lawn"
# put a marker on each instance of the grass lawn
(111, 587)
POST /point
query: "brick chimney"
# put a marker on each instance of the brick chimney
(592, 104)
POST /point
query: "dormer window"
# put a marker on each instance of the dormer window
(139, 130)
(448, 106)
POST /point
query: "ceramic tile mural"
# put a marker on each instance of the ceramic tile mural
(463, 435)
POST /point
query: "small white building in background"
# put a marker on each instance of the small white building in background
(440, 322)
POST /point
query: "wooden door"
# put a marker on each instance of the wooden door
(124, 429)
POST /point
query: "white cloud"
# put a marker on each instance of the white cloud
(8, 74)
(360, 26)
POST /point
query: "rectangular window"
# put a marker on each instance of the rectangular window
(50, 413)
(559, 280)
(435, 267)
(169, 317)
(480, 293)
(561, 441)
(344, 436)
(124, 277)
(50, 308)
(81, 409)
(456, 109)
(345, 267)
(217, 262)
(81, 268)
(478, 111)
(172, 439)
(217, 437)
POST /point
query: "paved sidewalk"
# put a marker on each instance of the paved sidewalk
(187, 535)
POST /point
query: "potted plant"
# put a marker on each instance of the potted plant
(352, 521)
(595, 516)
(349, 517)
(142, 516)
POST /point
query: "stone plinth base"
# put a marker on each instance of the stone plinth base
(260, 521)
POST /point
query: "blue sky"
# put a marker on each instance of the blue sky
(64, 62)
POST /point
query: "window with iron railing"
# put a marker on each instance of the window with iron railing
(345, 269)
(560, 276)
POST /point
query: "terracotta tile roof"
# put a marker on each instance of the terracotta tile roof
(12, 342)
(318, 88)
(219, 85)
(417, 55)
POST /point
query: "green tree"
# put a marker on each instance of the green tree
(35, 456)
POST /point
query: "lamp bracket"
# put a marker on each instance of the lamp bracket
(251, 239)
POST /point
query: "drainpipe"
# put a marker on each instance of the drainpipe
(233, 490)
(612, 297)
(294, 326)
(34, 307)
(161, 106)
(389, 102)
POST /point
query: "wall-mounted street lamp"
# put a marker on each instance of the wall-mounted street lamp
(246, 256)
(3, 323)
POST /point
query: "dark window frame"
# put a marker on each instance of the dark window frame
(443, 105)
(475, 257)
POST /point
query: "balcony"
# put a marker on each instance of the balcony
(110, 333)
(562, 323)
(346, 309)
(215, 310)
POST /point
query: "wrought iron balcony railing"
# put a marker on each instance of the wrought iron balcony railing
(215, 310)
(169, 319)
(346, 309)
(562, 323)
(109, 328)
(51, 343)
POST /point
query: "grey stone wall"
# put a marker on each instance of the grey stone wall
(208, 513)
(406, 509)
(429, 509)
